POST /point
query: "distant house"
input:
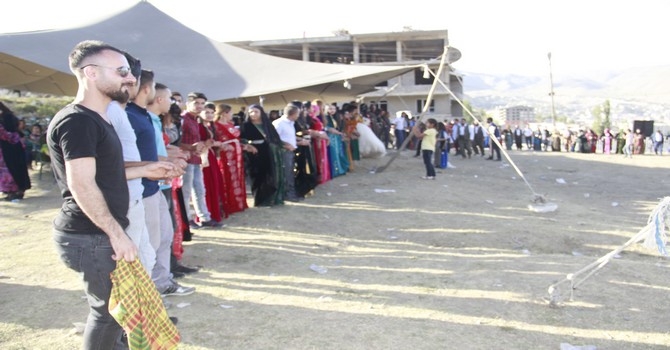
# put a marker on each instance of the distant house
(516, 115)
(405, 92)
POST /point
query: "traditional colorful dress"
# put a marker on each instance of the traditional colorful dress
(305, 163)
(7, 184)
(337, 157)
(265, 167)
(320, 147)
(350, 130)
(14, 178)
(182, 232)
(607, 141)
(232, 168)
(638, 143)
(212, 177)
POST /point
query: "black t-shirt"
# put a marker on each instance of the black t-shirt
(78, 132)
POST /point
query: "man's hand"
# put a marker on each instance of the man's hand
(123, 247)
(178, 162)
(176, 152)
(199, 147)
(161, 170)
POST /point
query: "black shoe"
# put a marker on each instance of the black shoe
(210, 223)
(193, 225)
(489, 158)
(497, 160)
(176, 274)
(185, 269)
(12, 196)
(174, 320)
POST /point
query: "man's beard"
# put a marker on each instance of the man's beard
(118, 96)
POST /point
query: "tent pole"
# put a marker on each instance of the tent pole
(418, 118)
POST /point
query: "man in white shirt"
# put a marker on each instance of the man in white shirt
(286, 131)
(400, 125)
(528, 135)
(658, 142)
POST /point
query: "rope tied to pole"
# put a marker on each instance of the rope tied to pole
(654, 236)
(537, 198)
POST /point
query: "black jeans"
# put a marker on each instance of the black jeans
(428, 162)
(90, 254)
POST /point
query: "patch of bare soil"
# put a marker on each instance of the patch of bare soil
(391, 261)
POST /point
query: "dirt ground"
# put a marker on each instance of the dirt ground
(455, 263)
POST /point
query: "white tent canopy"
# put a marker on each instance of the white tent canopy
(182, 59)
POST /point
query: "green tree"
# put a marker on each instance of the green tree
(561, 119)
(26, 109)
(597, 124)
(606, 119)
(468, 107)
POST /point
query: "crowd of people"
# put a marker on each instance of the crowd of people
(625, 141)
(468, 138)
(284, 156)
(435, 140)
(140, 167)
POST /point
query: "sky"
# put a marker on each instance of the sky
(494, 37)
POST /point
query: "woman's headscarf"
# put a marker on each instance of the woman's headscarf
(268, 128)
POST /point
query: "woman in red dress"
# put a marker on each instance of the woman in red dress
(210, 171)
(320, 144)
(234, 191)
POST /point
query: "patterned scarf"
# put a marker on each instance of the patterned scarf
(136, 305)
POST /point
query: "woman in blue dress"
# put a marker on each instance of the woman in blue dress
(339, 164)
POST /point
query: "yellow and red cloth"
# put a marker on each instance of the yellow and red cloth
(136, 305)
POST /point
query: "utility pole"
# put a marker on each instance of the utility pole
(551, 92)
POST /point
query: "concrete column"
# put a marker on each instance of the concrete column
(398, 51)
(305, 52)
(357, 53)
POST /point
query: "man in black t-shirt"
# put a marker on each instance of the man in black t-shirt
(87, 161)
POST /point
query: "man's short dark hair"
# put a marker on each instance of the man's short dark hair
(134, 64)
(146, 78)
(196, 95)
(86, 49)
(160, 86)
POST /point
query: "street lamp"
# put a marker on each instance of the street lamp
(551, 92)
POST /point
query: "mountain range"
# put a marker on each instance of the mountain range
(641, 93)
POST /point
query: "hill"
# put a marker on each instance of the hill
(642, 93)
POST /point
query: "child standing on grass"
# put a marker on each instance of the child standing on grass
(427, 138)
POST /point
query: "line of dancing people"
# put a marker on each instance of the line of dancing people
(284, 157)
(130, 162)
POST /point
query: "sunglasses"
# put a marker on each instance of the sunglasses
(122, 71)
